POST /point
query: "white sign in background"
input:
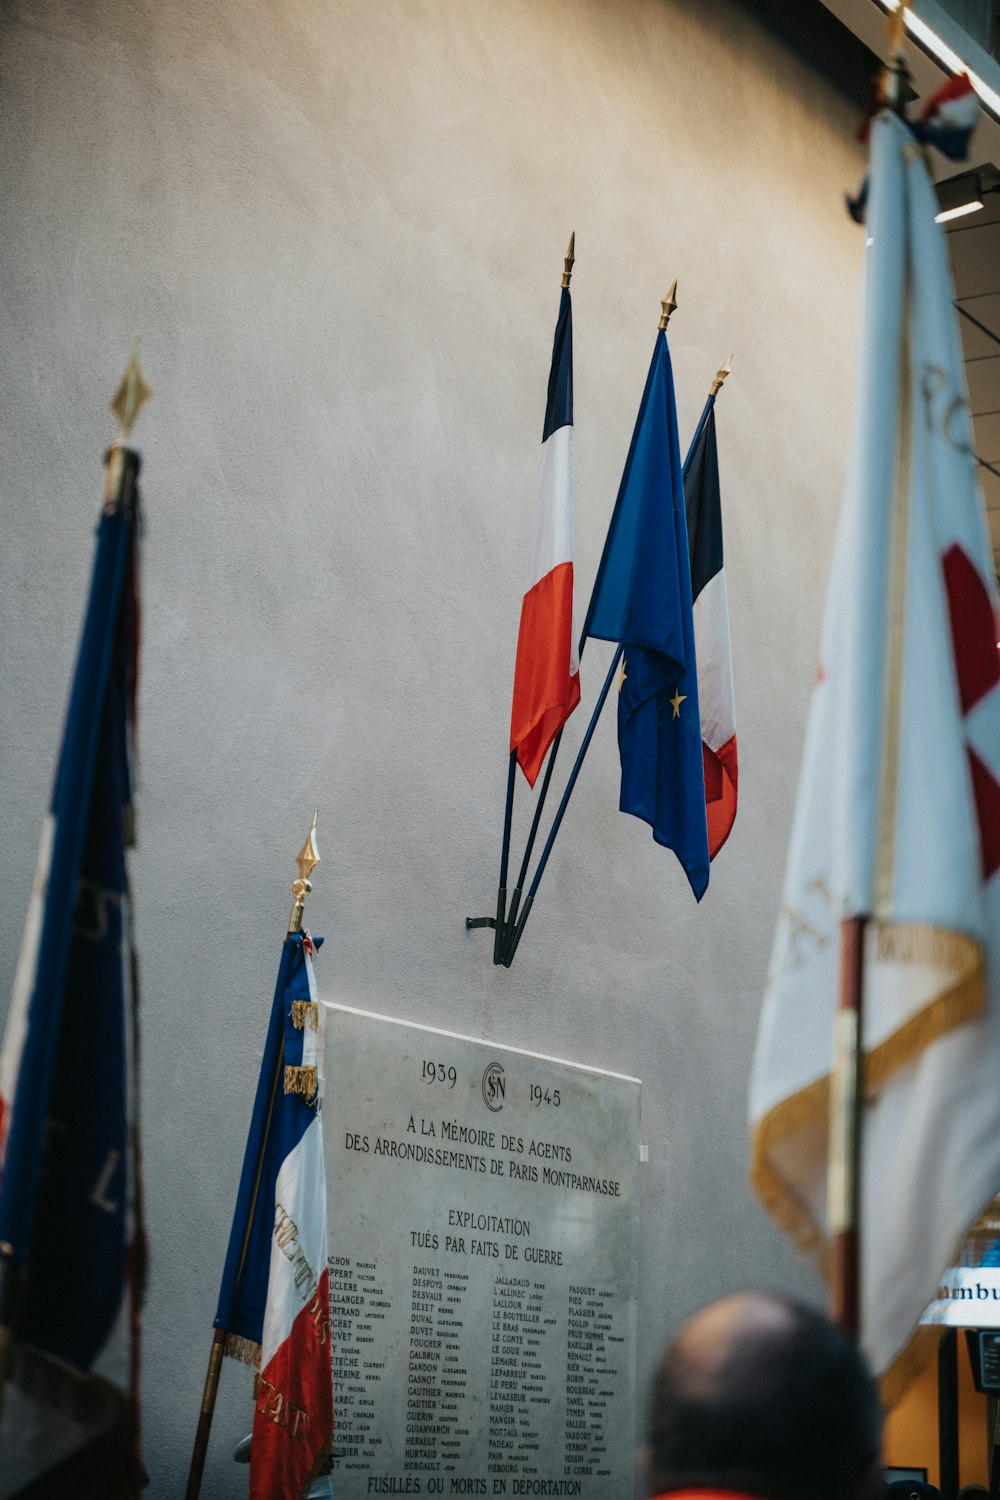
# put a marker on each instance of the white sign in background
(483, 1222)
(968, 1297)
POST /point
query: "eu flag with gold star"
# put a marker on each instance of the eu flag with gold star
(642, 598)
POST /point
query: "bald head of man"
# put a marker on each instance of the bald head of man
(758, 1395)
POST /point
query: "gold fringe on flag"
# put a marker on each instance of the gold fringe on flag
(322, 1464)
(302, 1081)
(244, 1350)
(305, 1013)
(961, 1000)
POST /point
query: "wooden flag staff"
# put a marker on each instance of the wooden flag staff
(515, 932)
(307, 859)
(844, 1168)
(844, 1153)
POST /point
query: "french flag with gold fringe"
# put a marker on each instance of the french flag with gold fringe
(275, 1298)
(547, 671)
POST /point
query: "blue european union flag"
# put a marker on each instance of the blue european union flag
(642, 598)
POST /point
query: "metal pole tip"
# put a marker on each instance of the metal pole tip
(668, 305)
(568, 260)
(131, 396)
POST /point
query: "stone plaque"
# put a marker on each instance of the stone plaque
(483, 1214)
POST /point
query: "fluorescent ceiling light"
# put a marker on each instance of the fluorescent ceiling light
(944, 54)
(956, 213)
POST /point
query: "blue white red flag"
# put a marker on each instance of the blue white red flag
(274, 1303)
(642, 598)
(547, 670)
(68, 1178)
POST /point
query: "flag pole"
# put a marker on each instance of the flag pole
(508, 958)
(121, 468)
(307, 859)
(501, 918)
(895, 74)
(515, 937)
(847, 1081)
(844, 1172)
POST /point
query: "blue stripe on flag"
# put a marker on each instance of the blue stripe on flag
(559, 406)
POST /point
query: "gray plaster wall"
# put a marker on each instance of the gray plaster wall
(339, 227)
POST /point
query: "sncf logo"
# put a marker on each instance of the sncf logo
(494, 1087)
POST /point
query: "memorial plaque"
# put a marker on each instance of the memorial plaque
(483, 1213)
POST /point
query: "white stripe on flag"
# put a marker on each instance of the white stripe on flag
(298, 1241)
(551, 539)
(24, 980)
(715, 670)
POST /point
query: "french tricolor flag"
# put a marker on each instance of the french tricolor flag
(711, 634)
(547, 671)
(275, 1298)
(949, 117)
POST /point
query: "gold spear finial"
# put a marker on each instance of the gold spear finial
(720, 377)
(568, 259)
(131, 396)
(895, 26)
(307, 859)
(668, 304)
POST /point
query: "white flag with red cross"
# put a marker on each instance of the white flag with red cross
(898, 812)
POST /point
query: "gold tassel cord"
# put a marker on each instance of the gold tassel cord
(920, 943)
(302, 1081)
(305, 1013)
(963, 1000)
(245, 1351)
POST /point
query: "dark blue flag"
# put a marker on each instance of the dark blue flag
(68, 1194)
(642, 598)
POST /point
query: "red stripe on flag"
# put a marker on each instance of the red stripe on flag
(293, 1416)
(544, 693)
(973, 628)
(721, 784)
(986, 791)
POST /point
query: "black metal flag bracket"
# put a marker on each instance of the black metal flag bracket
(480, 922)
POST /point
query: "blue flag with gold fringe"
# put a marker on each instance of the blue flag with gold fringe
(642, 598)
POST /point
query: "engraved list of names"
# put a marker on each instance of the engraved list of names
(483, 1213)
